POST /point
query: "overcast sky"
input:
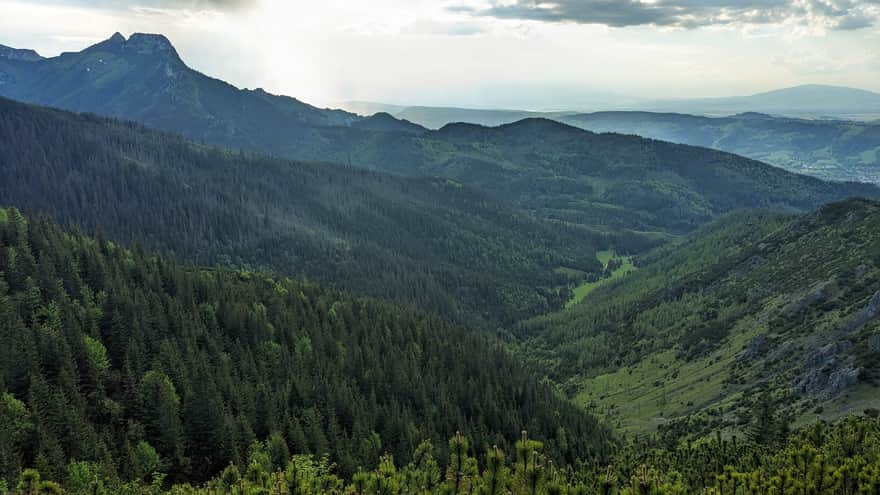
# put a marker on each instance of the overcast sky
(511, 53)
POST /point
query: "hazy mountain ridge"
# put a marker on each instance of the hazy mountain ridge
(830, 149)
(427, 241)
(143, 78)
(815, 100)
(609, 181)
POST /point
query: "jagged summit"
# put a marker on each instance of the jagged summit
(150, 43)
(137, 44)
(142, 77)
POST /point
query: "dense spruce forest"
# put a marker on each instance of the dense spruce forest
(131, 361)
(430, 242)
(757, 303)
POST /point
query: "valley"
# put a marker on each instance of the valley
(207, 289)
(786, 308)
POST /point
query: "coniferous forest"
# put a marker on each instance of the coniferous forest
(524, 309)
(119, 357)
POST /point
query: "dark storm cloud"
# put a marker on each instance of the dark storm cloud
(836, 14)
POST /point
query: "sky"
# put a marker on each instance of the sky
(527, 54)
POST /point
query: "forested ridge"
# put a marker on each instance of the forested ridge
(431, 242)
(609, 182)
(134, 362)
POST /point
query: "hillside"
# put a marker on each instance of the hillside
(828, 149)
(430, 242)
(605, 181)
(609, 183)
(144, 79)
(756, 303)
(836, 150)
(115, 356)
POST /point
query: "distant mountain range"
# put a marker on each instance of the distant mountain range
(813, 100)
(143, 78)
(829, 149)
(437, 117)
(806, 101)
(612, 183)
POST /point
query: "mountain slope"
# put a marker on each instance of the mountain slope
(9, 53)
(755, 303)
(830, 150)
(605, 181)
(143, 78)
(103, 349)
(608, 183)
(431, 242)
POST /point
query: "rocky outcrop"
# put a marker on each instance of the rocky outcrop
(756, 346)
(825, 355)
(825, 375)
(816, 296)
(826, 384)
(18, 54)
(866, 315)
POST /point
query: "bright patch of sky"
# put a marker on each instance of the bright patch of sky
(562, 54)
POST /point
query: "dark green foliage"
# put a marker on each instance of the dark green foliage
(130, 361)
(759, 304)
(648, 307)
(603, 180)
(431, 242)
(839, 459)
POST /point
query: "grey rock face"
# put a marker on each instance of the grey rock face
(20, 55)
(824, 355)
(866, 315)
(756, 346)
(822, 384)
(815, 297)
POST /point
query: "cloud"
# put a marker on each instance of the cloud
(189, 5)
(443, 28)
(827, 14)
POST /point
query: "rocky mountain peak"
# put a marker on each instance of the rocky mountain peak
(10, 53)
